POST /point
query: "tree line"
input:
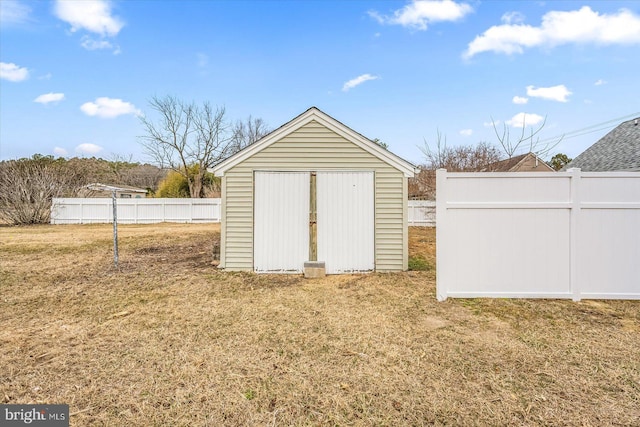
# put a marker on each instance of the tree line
(28, 185)
(474, 158)
(189, 138)
(184, 140)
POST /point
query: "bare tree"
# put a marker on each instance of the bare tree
(143, 176)
(460, 158)
(118, 164)
(436, 156)
(187, 138)
(463, 158)
(530, 141)
(422, 186)
(247, 132)
(27, 187)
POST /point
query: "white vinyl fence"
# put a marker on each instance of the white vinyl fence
(538, 235)
(134, 211)
(422, 213)
(144, 211)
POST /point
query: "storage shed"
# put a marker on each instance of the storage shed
(314, 190)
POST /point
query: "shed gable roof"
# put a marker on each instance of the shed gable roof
(314, 114)
(619, 150)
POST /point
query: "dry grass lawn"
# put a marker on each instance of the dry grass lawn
(169, 340)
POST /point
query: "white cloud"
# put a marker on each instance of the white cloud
(554, 93)
(520, 100)
(13, 12)
(60, 152)
(93, 16)
(466, 132)
(90, 15)
(524, 119)
(91, 44)
(49, 97)
(557, 28)
(491, 124)
(420, 13)
(45, 77)
(600, 82)
(12, 72)
(512, 18)
(88, 148)
(358, 81)
(108, 108)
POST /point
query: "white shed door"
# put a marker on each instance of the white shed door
(281, 222)
(345, 207)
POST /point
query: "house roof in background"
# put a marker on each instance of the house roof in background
(619, 150)
(515, 163)
(96, 186)
(314, 114)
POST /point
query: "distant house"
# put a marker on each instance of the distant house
(619, 150)
(423, 185)
(122, 191)
(528, 162)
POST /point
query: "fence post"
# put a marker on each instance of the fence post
(573, 233)
(441, 230)
(115, 227)
(412, 213)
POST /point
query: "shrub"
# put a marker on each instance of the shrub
(175, 184)
(27, 187)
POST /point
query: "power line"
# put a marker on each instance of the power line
(589, 129)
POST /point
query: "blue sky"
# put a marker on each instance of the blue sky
(76, 75)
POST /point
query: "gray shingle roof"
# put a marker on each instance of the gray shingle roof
(619, 150)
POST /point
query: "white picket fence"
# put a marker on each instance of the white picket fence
(538, 235)
(134, 211)
(422, 213)
(141, 211)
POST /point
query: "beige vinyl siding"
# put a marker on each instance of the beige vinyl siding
(314, 147)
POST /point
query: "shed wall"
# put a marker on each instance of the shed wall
(314, 147)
